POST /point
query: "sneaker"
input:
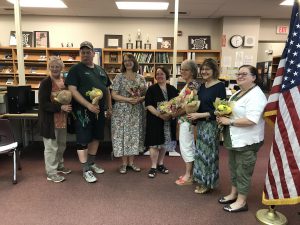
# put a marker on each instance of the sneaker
(64, 170)
(89, 177)
(123, 169)
(55, 178)
(96, 169)
(134, 168)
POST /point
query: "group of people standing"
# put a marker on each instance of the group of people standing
(136, 122)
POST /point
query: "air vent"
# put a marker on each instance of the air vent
(180, 13)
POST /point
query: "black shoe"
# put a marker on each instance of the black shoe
(244, 208)
(162, 169)
(152, 173)
(222, 200)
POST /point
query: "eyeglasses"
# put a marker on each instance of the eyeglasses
(243, 74)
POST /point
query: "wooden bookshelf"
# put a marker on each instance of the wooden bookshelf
(149, 60)
(35, 62)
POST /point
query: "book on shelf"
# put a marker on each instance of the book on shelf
(191, 55)
(113, 57)
(162, 57)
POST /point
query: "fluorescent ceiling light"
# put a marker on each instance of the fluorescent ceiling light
(41, 3)
(143, 5)
(287, 2)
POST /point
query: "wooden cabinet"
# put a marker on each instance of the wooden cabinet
(275, 64)
(149, 60)
(35, 62)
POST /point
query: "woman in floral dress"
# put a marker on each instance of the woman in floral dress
(128, 117)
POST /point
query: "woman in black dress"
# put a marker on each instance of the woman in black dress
(160, 128)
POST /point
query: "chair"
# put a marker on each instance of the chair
(8, 144)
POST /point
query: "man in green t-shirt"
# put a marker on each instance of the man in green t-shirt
(83, 77)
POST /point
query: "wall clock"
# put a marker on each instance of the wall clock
(236, 41)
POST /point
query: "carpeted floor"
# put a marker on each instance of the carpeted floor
(131, 199)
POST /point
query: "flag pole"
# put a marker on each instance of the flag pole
(271, 216)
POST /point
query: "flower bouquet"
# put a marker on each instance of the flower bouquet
(95, 95)
(136, 89)
(64, 97)
(167, 106)
(191, 102)
(223, 107)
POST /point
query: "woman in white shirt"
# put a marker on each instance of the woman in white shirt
(243, 136)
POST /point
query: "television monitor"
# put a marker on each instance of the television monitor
(19, 99)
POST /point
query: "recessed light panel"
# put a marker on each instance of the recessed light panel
(143, 5)
(41, 3)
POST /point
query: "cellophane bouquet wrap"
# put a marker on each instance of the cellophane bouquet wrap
(169, 106)
(187, 99)
(223, 107)
(63, 97)
(191, 102)
(95, 96)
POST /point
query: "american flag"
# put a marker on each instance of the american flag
(282, 183)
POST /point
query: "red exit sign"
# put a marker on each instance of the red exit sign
(282, 30)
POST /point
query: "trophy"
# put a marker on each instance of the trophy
(147, 45)
(129, 45)
(138, 43)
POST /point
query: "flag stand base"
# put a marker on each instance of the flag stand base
(270, 217)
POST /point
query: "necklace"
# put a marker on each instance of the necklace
(212, 83)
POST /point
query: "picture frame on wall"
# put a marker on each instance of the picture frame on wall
(41, 39)
(165, 42)
(199, 42)
(113, 41)
(27, 38)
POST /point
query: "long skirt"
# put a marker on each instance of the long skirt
(206, 164)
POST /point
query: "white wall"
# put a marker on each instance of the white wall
(276, 48)
(239, 26)
(268, 30)
(78, 29)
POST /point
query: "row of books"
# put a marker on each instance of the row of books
(162, 57)
(144, 69)
(143, 57)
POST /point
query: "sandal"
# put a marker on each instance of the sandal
(182, 182)
(152, 173)
(202, 190)
(162, 169)
(134, 168)
(123, 169)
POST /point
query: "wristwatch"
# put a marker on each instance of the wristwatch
(231, 123)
